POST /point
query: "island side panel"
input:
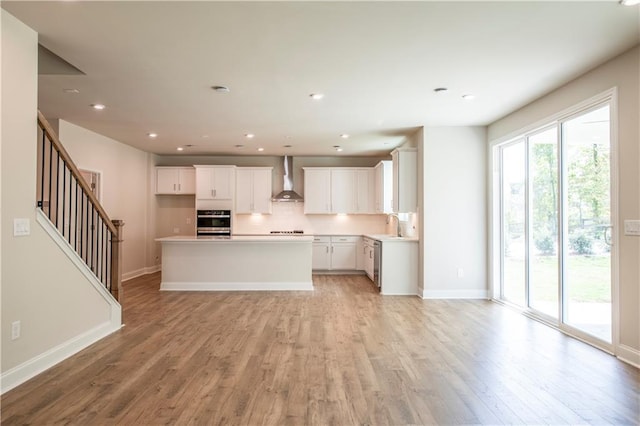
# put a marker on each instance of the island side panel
(233, 265)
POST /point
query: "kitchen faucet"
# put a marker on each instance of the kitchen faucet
(389, 216)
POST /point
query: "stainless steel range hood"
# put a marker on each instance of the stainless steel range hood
(288, 194)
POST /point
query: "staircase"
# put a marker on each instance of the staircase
(71, 206)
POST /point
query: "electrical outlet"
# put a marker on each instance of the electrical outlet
(15, 330)
(460, 273)
(176, 230)
(188, 221)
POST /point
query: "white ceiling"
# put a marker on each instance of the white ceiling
(153, 64)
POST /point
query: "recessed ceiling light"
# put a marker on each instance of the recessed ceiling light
(205, 136)
(249, 136)
(98, 106)
(440, 90)
(179, 148)
(260, 149)
(316, 96)
(468, 97)
(152, 135)
(221, 89)
(337, 148)
(71, 91)
(629, 2)
(344, 136)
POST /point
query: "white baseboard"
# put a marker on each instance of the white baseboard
(239, 286)
(140, 272)
(629, 355)
(455, 294)
(25, 371)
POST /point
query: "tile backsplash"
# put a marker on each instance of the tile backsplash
(290, 216)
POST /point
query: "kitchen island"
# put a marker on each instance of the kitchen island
(262, 262)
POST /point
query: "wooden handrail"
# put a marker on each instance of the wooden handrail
(51, 134)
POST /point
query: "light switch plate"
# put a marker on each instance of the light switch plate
(632, 227)
(21, 227)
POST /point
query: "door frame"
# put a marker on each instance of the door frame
(494, 183)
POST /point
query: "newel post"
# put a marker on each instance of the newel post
(116, 259)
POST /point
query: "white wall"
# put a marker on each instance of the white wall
(125, 186)
(40, 287)
(622, 72)
(453, 212)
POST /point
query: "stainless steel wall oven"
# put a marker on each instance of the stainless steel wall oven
(214, 223)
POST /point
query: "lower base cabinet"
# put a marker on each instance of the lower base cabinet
(335, 253)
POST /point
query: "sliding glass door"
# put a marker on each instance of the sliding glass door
(587, 224)
(555, 214)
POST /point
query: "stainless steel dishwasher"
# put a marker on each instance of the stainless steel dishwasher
(377, 262)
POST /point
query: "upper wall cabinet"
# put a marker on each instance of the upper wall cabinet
(175, 180)
(339, 190)
(215, 182)
(383, 187)
(317, 190)
(253, 190)
(405, 180)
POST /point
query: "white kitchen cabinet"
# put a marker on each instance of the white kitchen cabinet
(320, 253)
(339, 190)
(215, 182)
(317, 190)
(335, 253)
(365, 191)
(383, 187)
(405, 180)
(175, 180)
(343, 253)
(368, 260)
(253, 190)
(343, 190)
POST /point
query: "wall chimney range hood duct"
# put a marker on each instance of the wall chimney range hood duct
(288, 194)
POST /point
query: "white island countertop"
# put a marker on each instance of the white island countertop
(239, 262)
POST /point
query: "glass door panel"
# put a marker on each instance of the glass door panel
(587, 244)
(513, 220)
(543, 222)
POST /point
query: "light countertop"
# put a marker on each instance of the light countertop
(390, 238)
(237, 238)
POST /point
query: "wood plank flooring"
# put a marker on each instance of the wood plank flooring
(341, 355)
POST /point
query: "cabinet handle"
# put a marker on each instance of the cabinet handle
(331, 249)
(174, 186)
(179, 187)
(326, 250)
(212, 194)
(215, 192)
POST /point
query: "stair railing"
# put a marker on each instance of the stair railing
(71, 205)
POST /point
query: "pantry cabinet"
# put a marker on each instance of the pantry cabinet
(253, 190)
(175, 180)
(215, 182)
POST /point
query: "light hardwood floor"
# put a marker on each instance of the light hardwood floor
(340, 355)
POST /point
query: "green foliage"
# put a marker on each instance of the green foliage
(546, 244)
(581, 244)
